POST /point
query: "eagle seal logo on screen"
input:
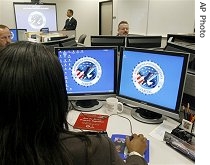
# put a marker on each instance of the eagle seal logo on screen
(37, 20)
(86, 71)
(148, 77)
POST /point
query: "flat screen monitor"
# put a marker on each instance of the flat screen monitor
(183, 47)
(33, 17)
(105, 40)
(90, 75)
(68, 42)
(190, 38)
(14, 35)
(189, 89)
(143, 41)
(18, 35)
(44, 30)
(151, 82)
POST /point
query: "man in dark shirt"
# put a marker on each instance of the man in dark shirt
(71, 22)
(123, 28)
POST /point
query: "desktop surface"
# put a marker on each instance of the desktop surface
(167, 155)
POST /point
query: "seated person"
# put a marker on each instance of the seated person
(5, 36)
(123, 28)
(34, 106)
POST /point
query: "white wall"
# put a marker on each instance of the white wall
(156, 17)
(146, 17)
(133, 11)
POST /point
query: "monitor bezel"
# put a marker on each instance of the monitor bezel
(108, 41)
(144, 41)
(95, 95)
(146, 105)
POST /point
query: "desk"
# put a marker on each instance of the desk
(160, 153)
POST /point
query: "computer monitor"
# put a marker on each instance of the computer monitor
(14, 35)
(90, 75)
(55, 38)
(151, 82)
(183, 47)
(189, 90)
(52, 44)
(68, 42)
(18, 35)
(105, 40)
(143, 41)
(44, 30)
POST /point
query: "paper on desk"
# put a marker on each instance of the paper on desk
(158, 132)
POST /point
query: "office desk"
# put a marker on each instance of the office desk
(160, 153)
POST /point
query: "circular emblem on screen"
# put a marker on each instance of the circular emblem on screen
(12, 35)
(148, 77)
(86, 71)
(36, 20)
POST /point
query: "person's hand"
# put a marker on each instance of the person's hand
(138, 143)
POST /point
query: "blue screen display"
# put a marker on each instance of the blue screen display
(14, 35)
(153, 78)
(88, 70)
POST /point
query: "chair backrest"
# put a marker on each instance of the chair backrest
(82, 38)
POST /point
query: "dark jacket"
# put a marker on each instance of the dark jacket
(104, 152)
(70, 25)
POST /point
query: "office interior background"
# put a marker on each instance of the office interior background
(146, 17)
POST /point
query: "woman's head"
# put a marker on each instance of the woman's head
(32, 89)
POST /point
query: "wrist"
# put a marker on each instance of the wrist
(134, 153)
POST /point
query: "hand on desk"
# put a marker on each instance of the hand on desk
(138, 143)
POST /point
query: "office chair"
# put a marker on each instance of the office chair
(82, 38)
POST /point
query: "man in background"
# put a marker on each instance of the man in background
(5, 36)
(123, 28)
(71, 22)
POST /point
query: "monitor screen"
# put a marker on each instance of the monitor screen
(152, 82)
(189, 89)
(103, 40)
(183, 47)
(90, 74)
(144, 41)
(34, 17)
(14, 35)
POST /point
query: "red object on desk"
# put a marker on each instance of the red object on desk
(95, 122)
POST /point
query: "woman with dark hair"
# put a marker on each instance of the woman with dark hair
(34, 106)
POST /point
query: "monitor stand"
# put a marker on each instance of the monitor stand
(87, 105)
(147, 116)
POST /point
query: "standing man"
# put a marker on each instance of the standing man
(71, 22)
(123, 28)
(5, 36)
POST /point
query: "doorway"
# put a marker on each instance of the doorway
(105, 18)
